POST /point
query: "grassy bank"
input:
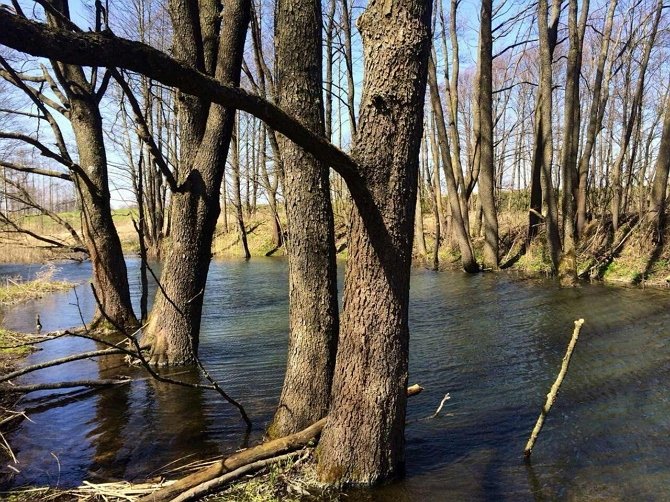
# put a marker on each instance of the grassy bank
(627, 256)
(12, 349)
(15, 290)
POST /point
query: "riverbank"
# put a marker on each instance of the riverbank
(16, 290)
(14, 347)
(628, 256)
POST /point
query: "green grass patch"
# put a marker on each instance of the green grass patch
(11, 344)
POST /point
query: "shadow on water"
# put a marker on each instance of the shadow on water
(494, 343)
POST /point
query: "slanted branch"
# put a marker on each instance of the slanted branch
(65, 385)
(551, 397)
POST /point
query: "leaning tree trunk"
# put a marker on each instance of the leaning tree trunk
(109, 274)
(459, 220)
(313, 316)
(174, 323)
(363, 440)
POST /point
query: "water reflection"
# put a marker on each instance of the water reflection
(492, 342)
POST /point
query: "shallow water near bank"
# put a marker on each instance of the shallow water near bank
(494, 343)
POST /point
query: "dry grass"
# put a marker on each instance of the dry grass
(290, 481)
(15, 290)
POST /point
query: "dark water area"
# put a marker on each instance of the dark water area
(493, 342)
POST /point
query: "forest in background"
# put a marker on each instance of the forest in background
(541, 133)
(621, 91)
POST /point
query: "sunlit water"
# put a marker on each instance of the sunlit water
(494, 343)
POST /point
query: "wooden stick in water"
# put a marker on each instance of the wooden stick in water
(551, 397)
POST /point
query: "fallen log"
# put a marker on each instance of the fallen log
(64, 385)
(238, 460)
(56, 362)
(210, 486)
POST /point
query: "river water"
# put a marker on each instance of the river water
(494, 343)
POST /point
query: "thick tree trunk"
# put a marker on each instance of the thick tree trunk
(109, 274)
(486, 170)
(363, 441)
(313, 309)
(543, 150)
(174, 323)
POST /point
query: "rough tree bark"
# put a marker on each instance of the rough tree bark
(313, 309)
(109, 274)
(174, 323)
(543, 150)
(363, 440)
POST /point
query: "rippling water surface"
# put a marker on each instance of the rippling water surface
(494, 343)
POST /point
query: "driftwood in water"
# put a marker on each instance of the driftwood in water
(65, 385)
(56, 362)
(551, 397)
(239, 460)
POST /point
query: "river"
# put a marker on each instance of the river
(491, 341)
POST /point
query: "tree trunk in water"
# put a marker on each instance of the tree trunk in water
(486, 170)
(237, 192)
(543, 151)
(363, 440)
(313, 309)
(418, 226)
(109, 273)
(174, 323)
(568, 265)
